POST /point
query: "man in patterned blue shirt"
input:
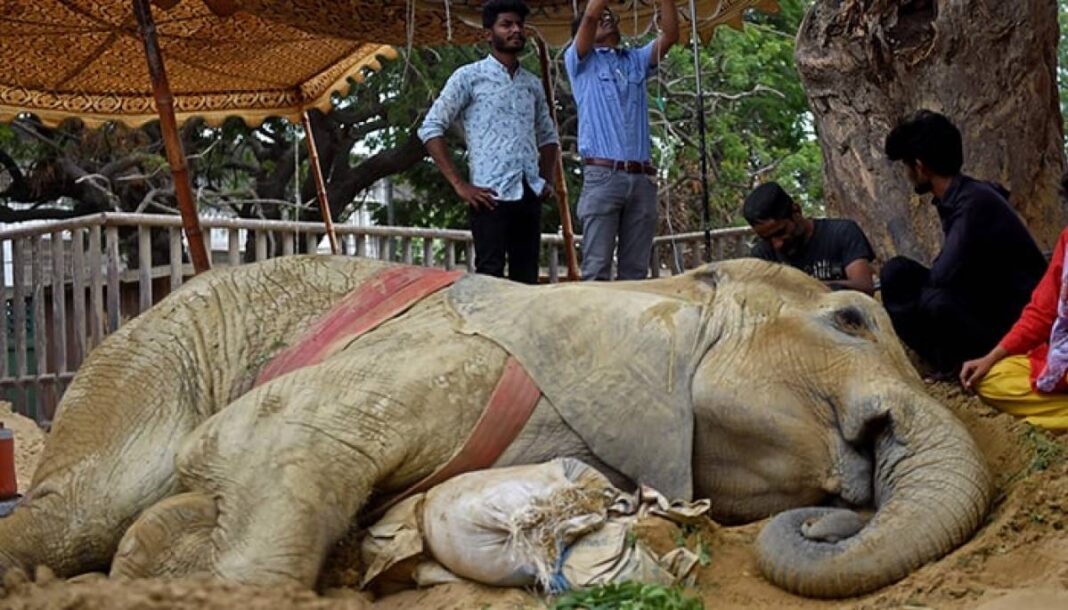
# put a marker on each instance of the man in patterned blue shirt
(618, 189)
(512, 143)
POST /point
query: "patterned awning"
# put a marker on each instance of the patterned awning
(84, 58)
(249, 58)
(434, 22)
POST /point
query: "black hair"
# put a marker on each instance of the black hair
(929, 137)
(493, 8)
(767, 202)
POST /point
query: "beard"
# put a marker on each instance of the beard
(508, 45)
(610, 37)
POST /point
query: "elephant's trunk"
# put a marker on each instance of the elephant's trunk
(932, 491)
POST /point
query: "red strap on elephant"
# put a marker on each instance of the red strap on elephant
(379, 299)
(510, 406)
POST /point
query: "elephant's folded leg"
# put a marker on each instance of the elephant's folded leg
(171, 538)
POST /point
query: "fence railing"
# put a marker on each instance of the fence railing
(70, 283)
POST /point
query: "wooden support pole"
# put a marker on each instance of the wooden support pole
(161, 89)
(561, 180)
(320, 186)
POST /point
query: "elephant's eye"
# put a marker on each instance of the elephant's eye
(852, 321)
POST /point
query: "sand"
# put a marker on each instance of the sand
(29, 442)
(1018, 560)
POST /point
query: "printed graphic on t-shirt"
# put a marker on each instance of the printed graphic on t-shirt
(826, 270)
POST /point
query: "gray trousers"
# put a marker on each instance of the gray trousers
(616, 205)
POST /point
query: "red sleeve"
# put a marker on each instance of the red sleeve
(1036, 321)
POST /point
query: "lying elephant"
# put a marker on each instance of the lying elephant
(743, 382)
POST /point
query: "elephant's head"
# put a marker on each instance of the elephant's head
(806, 398)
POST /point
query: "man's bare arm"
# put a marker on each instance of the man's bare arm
(587, 31)
(547, 156)
(669, 31)
(858, 277)
(474, 196)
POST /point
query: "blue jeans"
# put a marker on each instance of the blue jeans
(615, 206)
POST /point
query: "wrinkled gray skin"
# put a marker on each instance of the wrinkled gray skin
(162, 461)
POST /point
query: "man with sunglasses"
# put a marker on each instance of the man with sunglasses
(608, 82)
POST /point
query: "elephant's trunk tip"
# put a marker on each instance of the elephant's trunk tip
(813, 567)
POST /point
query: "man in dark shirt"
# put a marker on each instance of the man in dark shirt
(834, 251)
(959, 308)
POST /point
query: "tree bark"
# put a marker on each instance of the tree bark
(989, 65)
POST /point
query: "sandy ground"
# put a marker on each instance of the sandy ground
(1017, 561)
(29, 442)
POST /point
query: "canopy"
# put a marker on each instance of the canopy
(85, 58)
(248, 58)
(434, 22)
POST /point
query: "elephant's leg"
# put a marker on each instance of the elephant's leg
(171, 538)
(121, 422)
(100, 469)
(292, 462)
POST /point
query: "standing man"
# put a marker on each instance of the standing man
(981, 280)
(512, 143)
(832, 250)
(618, 189)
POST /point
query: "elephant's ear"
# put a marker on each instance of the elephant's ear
(617, 365)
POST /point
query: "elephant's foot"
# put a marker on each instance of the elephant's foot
(172, 538)
(45, 531)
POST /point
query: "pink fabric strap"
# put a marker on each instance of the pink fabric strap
(510, 406)
(379, 299)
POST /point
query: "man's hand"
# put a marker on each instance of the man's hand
(973, 371)
(477, 196)
(547, 191)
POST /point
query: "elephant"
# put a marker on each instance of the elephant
(744, 382)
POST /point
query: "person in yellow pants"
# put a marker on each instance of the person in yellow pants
(1024, 374)
(1007, 387)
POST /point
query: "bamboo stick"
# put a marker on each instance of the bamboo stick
(161, 90)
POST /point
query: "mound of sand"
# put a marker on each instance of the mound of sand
(1018, 559)
(29, 442)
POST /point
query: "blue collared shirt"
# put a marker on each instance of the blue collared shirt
(505, 121)
(613, 110)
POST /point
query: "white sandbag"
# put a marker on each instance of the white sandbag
(611, 554)
(505, 527)
(559, 525)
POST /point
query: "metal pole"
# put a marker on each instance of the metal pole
(701, 130)
(320, 186)
(161, 90)
(561, 179)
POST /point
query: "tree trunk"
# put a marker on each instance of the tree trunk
(989, 65)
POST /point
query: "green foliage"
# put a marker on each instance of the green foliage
(759, 128)
(757, 117)
(628, 596)
(1047, 452)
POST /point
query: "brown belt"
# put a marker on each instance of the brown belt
(631, 167)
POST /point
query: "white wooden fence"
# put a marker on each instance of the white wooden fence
(45, 338)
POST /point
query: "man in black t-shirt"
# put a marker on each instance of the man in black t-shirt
(834, 251)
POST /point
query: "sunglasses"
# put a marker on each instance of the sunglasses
(609, 17)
